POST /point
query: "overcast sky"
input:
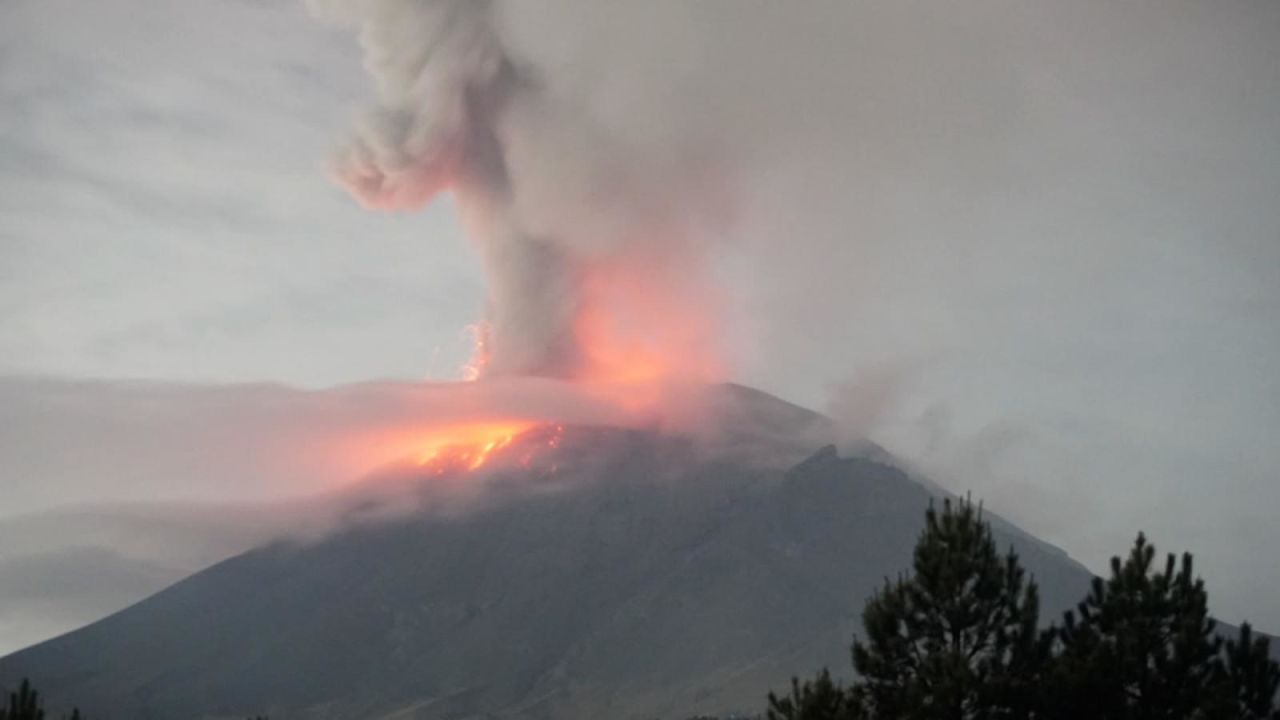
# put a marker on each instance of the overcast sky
(1031, 247)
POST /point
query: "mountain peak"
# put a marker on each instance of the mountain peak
(629, 573)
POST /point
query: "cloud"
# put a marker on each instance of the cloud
(162, 187)
(50, 593)
(61, 569)
(123, 441)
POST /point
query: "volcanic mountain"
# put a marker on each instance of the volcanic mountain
(581, 572)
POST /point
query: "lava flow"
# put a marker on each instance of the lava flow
(469, 447)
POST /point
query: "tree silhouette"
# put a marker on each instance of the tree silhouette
(817, 699)
(1250, 678)
(958, 640)
(959, 637)
(1143, 644)
(24, 704)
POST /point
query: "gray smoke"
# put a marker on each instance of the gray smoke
(563, 214)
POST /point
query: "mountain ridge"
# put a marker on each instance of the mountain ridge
(626, 573)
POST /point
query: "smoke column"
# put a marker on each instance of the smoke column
(594, 267)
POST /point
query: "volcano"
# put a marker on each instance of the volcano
(595, 572)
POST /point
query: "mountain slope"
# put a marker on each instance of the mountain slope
(629, 574)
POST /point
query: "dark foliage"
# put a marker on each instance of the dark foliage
(1142, 646)
(958, 639)
(24, 704)
(817, 699)
(1250, 678)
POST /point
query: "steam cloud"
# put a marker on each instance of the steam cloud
(593, 252)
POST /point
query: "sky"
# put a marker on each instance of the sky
(1029, 247)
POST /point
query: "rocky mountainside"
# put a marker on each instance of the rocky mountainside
(622, 574)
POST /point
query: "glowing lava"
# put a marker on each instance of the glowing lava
(469, 447)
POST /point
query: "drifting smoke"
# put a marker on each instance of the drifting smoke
(595, 258)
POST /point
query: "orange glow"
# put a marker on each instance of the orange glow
(638, 318)
(466, 446)
(471, 446)
(643, 326)
(639, 324)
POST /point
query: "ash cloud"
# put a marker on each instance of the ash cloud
(592, 246)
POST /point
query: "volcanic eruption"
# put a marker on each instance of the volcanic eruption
(596, 270)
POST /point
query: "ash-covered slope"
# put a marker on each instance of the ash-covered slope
(627, 574)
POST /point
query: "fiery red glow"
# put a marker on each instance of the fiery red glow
(641, 326)
(469, 447)
(637, 322)
(642, 321)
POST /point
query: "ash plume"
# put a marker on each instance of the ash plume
(595, 265)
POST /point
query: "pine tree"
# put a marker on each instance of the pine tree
(959, 638)
(24, 704)
(818, 699)
(1250, 678)
(1143, 645)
